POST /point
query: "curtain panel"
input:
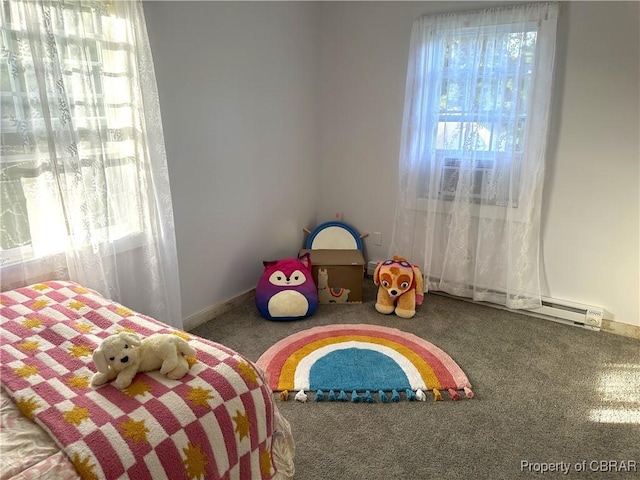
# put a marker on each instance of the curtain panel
(472, 153)
(85, 186)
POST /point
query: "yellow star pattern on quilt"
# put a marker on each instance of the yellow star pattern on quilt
(191, 360)
(83, 327)
(76, 415)
(25, 371)
(40, 287)
(41, 303)
(77, 381)
(195, 463)
(247, 372)
(76, 305)
(135, 430)
(242, 424)
(29, 345)
(84, 468)
(79, 351)
(80, 290)
(28, 406)
(200, 396)
(125, 312)
(139, 387)
(265, 464)
(183, 335)
(32, 322)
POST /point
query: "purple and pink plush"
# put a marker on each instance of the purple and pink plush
(286, 290)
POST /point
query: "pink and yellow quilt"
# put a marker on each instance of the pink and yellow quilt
(217, 422)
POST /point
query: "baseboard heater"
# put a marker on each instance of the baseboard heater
(587, 316)
(562, 311)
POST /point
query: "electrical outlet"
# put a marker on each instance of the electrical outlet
(377, 238)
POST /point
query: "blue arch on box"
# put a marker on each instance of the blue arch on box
(342, 225)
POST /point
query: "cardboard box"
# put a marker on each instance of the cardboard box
(341, 275)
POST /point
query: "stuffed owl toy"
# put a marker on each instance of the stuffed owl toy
(286, 290)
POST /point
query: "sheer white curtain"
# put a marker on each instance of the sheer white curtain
(85, 188)
(472, 152)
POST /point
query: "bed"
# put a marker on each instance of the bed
(220, 421)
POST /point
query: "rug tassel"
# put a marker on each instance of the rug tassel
(437, 396)
(420, 395)
(319, 396)
(284, 395)
(342, 397)
(301, 396)
(332, 396)
(411, 396)
(368, 398)
(383, 396)
(395, 396)
(468, 392)
(453, 394)
(354, 397)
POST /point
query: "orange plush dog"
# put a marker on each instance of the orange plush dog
(400, 287)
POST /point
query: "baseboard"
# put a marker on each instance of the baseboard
(214, 311)
(618, 328)
(610, 326)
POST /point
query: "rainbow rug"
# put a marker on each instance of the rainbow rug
(366, 363)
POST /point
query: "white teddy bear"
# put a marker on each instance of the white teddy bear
(122, 355)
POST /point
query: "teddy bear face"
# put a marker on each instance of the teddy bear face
(119, 352)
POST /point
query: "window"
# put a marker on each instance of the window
(68, 169)
(482, 78)
(473, 148)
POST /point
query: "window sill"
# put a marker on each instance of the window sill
(24, 267)
(476, 210)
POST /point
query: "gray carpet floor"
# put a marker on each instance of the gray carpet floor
(548, 396)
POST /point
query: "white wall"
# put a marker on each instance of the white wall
(591, 240)
(238, 93)
(591, 211)
(278, 115)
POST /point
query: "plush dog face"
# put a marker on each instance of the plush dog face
(117, 352)
(396, 277)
